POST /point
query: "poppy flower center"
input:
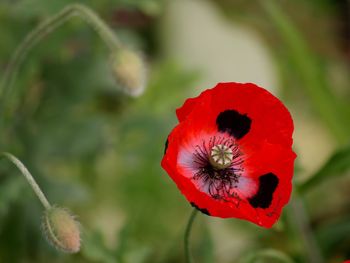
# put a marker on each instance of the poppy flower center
(217, 164)
(221, 156)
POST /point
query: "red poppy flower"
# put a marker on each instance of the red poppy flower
(231, 154)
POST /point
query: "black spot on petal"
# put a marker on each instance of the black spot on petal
(234, 123)
(203, 210)
(166, 146)
(267, 186)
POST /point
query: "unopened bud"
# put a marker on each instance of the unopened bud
(62, 230)
(129, 70)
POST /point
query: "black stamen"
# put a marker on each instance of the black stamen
(220, 182)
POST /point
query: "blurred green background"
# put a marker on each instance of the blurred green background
(97, 151)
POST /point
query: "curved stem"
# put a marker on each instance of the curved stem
(98, 24)
(187, 235)
(47, 27)
(29, 178)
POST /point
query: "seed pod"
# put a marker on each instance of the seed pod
(129, 71)
(61, 230)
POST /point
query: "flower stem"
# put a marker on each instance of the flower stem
(187, 235)
(29, 178)
(46, 27)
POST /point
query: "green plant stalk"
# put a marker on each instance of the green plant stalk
(42, 30)
(301, 221)
(323, 100)
(187, 236)
(29, 178)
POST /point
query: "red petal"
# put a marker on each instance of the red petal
(268, 158)
(270, 118)
(189, 105)
(266, 147)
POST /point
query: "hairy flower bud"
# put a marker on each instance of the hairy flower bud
(62, 230)
(129, 70)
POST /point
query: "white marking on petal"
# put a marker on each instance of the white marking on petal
(246, 187)
(186, 161)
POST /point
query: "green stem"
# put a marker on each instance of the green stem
(46, 27)
(187, 235)
(301, 221)
(29, 178)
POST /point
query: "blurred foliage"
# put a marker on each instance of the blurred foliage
(98, 152)
(268, 255)
(338, 164)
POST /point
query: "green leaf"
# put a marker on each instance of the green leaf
(138, 255)
(338, 164)
(334, 236)
(266, 256)
(10, 190)
(95, 249)
(330, 108)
